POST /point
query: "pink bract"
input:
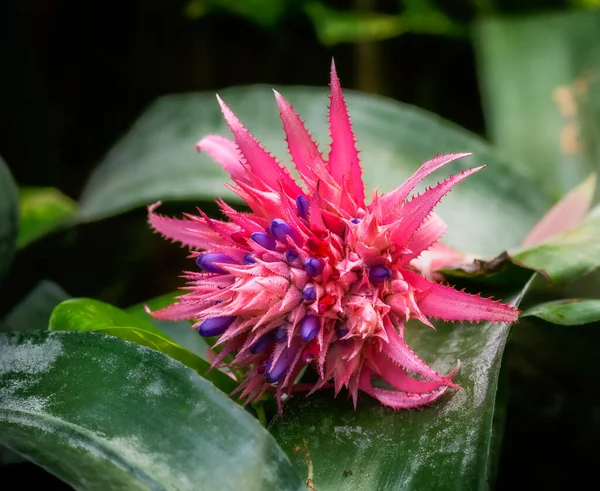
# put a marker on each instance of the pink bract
(314, 275)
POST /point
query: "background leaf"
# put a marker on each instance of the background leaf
(564, 257)
(33, 312)
(567, 312)
(569, 255)
(444, 446)
(9, 217)
(540, 81)
(86, 314)
(41, 211)
(180, 332)
(156, 160)
(102, 413)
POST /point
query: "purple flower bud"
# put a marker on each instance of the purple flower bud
(275, 371)
(309, 327)
(263, 240)
(262, 344)
(303, 206)
(342, 331)
(355, 220)
(291, 256)
(313, 266)
(207, 262)
(281, 334)
(249, 259)
(215, 326)
(378, 274)
(309, 293)
(280, 229)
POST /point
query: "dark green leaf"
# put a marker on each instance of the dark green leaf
(157, 160)
(42, 210)
(540, 81)
(33, 312)
(85, 314)
(102, 413)
(444, 446)
(9, 217)
(265, 13)
(568, 312)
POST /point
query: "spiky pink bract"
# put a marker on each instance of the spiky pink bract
(316, 276)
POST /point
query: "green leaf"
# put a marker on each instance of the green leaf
(560, 258)
(443, 446)
(566, 256)
(157, 160)
(33, 312)
(540, 79)
(102, 413)
(264, 13)
(567, 312)
(9, 217)
(86, 314)
(180, 332)
(335, 26)
(42, 211)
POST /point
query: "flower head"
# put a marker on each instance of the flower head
(314, 275)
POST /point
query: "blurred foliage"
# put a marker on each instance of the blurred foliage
(265, 13)
(41, 211)
(335, 25)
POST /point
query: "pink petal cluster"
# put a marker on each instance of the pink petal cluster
(313, 275)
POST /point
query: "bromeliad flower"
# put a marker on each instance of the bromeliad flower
(314, 275)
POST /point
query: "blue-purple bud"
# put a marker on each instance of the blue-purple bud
(313, 266)
(303, 206)
(342, 331)
(249, 259)
(274, 372)
(309, 327)
(355, 220)
(281, 334)
(262, 344)
(280, 229)
(207, 262)
(309, 294)
(215, 326)
(263, 240)
(378, 274)
(291, 256)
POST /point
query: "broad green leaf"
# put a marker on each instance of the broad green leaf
(33, 311)
(567, 312)
(180, 332)
(9, 217)
(440, 447)
(540, 78)
(566, 256)
(560, 258)
(86, 314)
(157, 160)
(102, 413)
(42, 210)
